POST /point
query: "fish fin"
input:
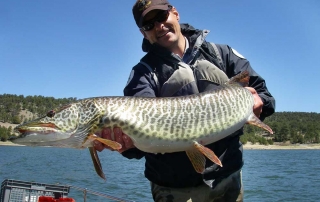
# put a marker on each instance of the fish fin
(110, 143)
(96, 162)
(242, 78)
(208, 153)
(197, 159)
(254, 120)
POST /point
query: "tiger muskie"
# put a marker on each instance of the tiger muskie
(155, 125)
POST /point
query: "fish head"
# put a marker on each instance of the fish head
(57, 124)
(69, 125)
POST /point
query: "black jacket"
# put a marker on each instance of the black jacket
(175, 169)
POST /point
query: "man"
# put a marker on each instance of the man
(180, 62)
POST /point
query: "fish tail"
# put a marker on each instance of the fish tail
(253, 120)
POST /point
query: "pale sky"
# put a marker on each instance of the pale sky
(84, 49)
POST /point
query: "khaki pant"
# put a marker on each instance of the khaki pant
(229, 189)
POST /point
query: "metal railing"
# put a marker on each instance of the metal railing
(85, 191)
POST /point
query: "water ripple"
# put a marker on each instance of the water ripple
(268, 175)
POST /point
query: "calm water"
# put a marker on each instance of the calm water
(268, 175)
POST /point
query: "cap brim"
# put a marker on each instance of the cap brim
(157, 7)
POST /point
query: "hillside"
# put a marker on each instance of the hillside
(16, 109)
(292, 127)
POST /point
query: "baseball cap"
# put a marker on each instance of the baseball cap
(142, 7)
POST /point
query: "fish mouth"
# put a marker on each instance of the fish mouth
(37, 127)
(34, 131)
(40, 134)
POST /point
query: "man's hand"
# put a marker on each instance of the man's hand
(115, 135)
(258, 104)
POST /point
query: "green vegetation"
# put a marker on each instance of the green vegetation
(253, 138)
(12, 105)
(295, 127)
(5, 133)
(14, 110)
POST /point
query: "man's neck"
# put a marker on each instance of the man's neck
(180, 47)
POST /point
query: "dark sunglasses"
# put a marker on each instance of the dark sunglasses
(160, 17)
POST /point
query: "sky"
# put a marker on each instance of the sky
(84, 49)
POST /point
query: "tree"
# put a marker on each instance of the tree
(283, 134)
(3, 134)
(16, 120)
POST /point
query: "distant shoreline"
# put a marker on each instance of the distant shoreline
(247, 146)
(278, 146)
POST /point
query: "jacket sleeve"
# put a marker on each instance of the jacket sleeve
(140, 83)
(236, 63)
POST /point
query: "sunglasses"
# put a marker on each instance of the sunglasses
(160, 17)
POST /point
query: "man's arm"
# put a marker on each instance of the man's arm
(236, 63)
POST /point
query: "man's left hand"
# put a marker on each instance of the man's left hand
(258, 104)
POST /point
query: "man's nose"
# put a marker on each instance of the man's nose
(158, 25)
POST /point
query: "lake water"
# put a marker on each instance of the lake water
(268, 175)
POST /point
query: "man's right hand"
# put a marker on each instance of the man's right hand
(117, 136)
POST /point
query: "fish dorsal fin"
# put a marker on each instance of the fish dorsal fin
(96, 162)
(242, 79)
(197, 156)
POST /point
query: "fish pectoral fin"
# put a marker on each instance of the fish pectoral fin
(208, 153)
(96, 162)
(110, 143)
(197, 159)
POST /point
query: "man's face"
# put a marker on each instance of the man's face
(164, 33)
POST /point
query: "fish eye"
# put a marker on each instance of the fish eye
(51, 114)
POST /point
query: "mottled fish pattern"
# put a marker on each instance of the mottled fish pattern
(156, 125)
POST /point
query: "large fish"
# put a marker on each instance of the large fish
(156, 125)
